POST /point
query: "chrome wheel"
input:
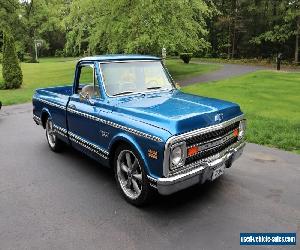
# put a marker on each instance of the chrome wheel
(50, 132)
(129, 174)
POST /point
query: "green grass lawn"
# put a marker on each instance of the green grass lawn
(271, 102)
(60, 71)
(180, 71)
(48, 72)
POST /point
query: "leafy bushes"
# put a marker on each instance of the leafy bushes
(186, 57)
(59, 53)
(11, 72)
(27, 58)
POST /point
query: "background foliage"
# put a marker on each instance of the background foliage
(137, 26)
(210, 28)
(12, 73)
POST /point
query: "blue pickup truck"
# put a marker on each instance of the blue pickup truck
(126, 112)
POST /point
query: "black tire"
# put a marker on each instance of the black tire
(55, 144)
(147, 192)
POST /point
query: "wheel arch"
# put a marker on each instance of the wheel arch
(131, 142)
(44, 116)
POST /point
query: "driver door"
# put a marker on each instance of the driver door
(83, 112)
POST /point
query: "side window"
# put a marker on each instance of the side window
(86, 75)
(88, 84)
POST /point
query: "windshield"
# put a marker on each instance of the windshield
(122, 78)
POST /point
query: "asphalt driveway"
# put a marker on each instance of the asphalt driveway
(227, 70)
(67, 201)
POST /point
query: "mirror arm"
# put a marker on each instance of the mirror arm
(87, 98)
(90, 101)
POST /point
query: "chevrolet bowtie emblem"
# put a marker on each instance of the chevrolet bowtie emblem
(218, 117)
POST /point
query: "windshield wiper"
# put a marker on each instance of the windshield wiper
(123, 93)
(154, 87)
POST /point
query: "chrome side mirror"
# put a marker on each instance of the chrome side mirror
(86, 97)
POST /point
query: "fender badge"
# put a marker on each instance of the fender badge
(104, 133)
(152, 154)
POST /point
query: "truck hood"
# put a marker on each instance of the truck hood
(176, 111)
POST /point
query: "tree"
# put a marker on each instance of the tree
(297, 40)
(9, 22)
(286, 24)
(255, 28)
(11, 72)
(293, 17)
(42, 19)
(137, 26)
(227, 26)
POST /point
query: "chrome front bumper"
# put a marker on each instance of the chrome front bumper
(199, 174)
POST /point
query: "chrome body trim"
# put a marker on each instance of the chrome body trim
(79, 140)
(88, 145)
(129, 61)
(115, 125)
(152, 179)
(61, 131)
(214, 142)
(177, 138)
(37, 119)
(89, 148)
(204, 161)
(201, 173)
(50, 103)
(184, 156)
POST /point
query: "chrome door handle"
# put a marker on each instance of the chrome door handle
(72, 106)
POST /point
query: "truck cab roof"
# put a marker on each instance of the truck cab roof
(119, 57)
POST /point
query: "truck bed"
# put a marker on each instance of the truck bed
(52, 100)
(61, 90)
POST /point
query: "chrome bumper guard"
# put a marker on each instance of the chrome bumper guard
(201, 173)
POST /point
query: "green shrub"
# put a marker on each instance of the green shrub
(59, 53)
(186, 57)
(1, 57)
(12, 73)
(19, 47)
(28, 58)
(20, 55)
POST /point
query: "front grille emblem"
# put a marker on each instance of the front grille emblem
(219, 117)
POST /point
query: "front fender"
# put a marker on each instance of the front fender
(153, 167)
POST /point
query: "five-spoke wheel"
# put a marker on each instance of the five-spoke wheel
(130, 176)
(54, 143)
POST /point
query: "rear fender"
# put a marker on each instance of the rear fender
(44, 115)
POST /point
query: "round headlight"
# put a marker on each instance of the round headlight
(242, 127)
(176, 155)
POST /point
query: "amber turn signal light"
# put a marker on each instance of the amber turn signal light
(236, 132)
(192, 151)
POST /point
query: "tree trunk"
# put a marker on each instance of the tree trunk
(297, 41)
(234, 15)
(229, 40)
(233, 41)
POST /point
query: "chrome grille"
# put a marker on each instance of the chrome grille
(212, 142)
(211, 135)
(211, 151)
